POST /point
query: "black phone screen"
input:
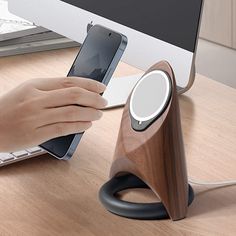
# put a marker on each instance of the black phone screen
(93, 62)
(172, 21)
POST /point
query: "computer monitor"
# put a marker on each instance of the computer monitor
(156, 29)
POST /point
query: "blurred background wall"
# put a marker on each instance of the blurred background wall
(216, 53)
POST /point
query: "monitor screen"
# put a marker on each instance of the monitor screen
(172, 21)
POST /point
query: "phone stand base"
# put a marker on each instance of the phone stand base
(141, 211)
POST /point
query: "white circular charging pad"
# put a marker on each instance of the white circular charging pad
(150, 96)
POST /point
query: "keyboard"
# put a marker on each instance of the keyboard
(18, 36)
(9, 158)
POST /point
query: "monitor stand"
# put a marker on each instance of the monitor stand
(119, 89)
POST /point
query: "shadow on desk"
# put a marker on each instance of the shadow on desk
(209, 201)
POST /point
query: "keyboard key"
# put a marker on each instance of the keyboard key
(6, 157)
(19, 154)
(34, 150)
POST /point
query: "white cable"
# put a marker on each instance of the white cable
(212, 184)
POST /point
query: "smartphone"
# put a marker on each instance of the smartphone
(97, 59)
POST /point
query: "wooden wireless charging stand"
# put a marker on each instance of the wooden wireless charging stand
(156, 156)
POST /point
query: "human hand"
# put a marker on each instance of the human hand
(41, 109)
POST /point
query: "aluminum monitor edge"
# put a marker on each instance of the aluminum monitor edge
(142, 52)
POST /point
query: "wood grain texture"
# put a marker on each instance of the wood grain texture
(156, 155)
(44, 196)
(217, 22)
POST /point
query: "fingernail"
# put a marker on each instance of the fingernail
(105, 102)
(100, 114)
(102, 86)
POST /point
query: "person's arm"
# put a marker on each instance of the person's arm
(41, 109)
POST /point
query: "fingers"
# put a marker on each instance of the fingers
(73, 96)
(62, 129)
(68, 82)
(70, 114)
